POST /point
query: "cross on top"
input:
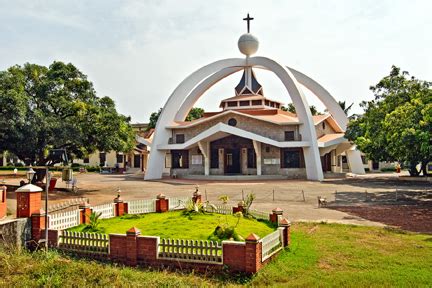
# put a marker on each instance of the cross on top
(248, 19)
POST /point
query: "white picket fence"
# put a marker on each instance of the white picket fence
(178, 203)
(93, 243)
(221, 209)
(259, 214)
(106, 210)
(64, 220)
(271, 244)
(190, 250)
(141, 206)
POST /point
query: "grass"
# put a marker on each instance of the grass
(321, 255)
(175, 225)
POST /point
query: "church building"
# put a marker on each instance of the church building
(251, 134)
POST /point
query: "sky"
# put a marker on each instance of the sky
(137, 52)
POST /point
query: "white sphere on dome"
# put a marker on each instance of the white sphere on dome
(248, 44)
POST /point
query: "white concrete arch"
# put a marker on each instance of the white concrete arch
(181, 93)
(322, 94)
(199, 90)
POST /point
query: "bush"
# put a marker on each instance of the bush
(388, 169)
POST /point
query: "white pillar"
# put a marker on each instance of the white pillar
(355, 162)
(257, 148)
(205, 150)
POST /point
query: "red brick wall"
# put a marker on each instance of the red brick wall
(118, 248)
(3, 207)
(234, 256)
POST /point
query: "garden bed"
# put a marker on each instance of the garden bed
(177, 225)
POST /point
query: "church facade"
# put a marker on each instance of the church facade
(251, 135)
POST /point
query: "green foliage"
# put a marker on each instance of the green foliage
(93, 226)
(344, 107)
(224, 199)
(396, 125)
(248, 202)
(56, 107)
(330, 255)
(226, 231)
(192, 208)
(176, 225)
(194, 113)
(291, 108)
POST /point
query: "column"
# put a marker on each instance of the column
(257, 148)
(205, 150)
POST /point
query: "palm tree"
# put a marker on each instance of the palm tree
(343, 104)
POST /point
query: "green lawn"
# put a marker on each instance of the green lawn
(321, 255)
(175, 225)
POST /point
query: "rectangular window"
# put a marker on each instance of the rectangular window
(214, 158)
(289, 135)
(232, 104)
(256, 102)
(180, 138)
(244, 103)
(180, 159)
(86, 160)
(119, 158)
(251, 158)
(102, 158)
(267, 103)
(292, 158)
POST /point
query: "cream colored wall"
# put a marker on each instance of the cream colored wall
(263, 128)
(327, 130)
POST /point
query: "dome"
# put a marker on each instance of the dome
(248, 44)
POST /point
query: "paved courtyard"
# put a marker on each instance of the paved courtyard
(288, 195)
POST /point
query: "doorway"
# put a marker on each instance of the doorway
(232, 161)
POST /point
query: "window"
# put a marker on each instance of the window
(289, 135)
(180, 159)
(232, 122)
(180, 138)
(256, 102)
(267, 149)
(267, 103)
(251, 158)
(232, 104)
(323, 124)
(364, 160)
(86, 160)
(102, 158)
(214, 158)
(292, 158)
(244, 103)
(119, 158)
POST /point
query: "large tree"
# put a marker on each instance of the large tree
(396, 125)
(56, 107)
(194, 113)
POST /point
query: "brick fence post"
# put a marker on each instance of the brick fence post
(276, 215)
(120, 207)
(253, 254)
(3, 205)
(37, 225)
(239, 208)
(85, 212)
(196, 197)
(162, 204)
(28, 200)
(148, 249)
(131, 246)
(286, 225)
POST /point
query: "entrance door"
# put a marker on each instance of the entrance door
(326, 162)
(232, 161)
(137, 161)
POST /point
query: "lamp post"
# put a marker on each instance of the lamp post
(30, 174)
